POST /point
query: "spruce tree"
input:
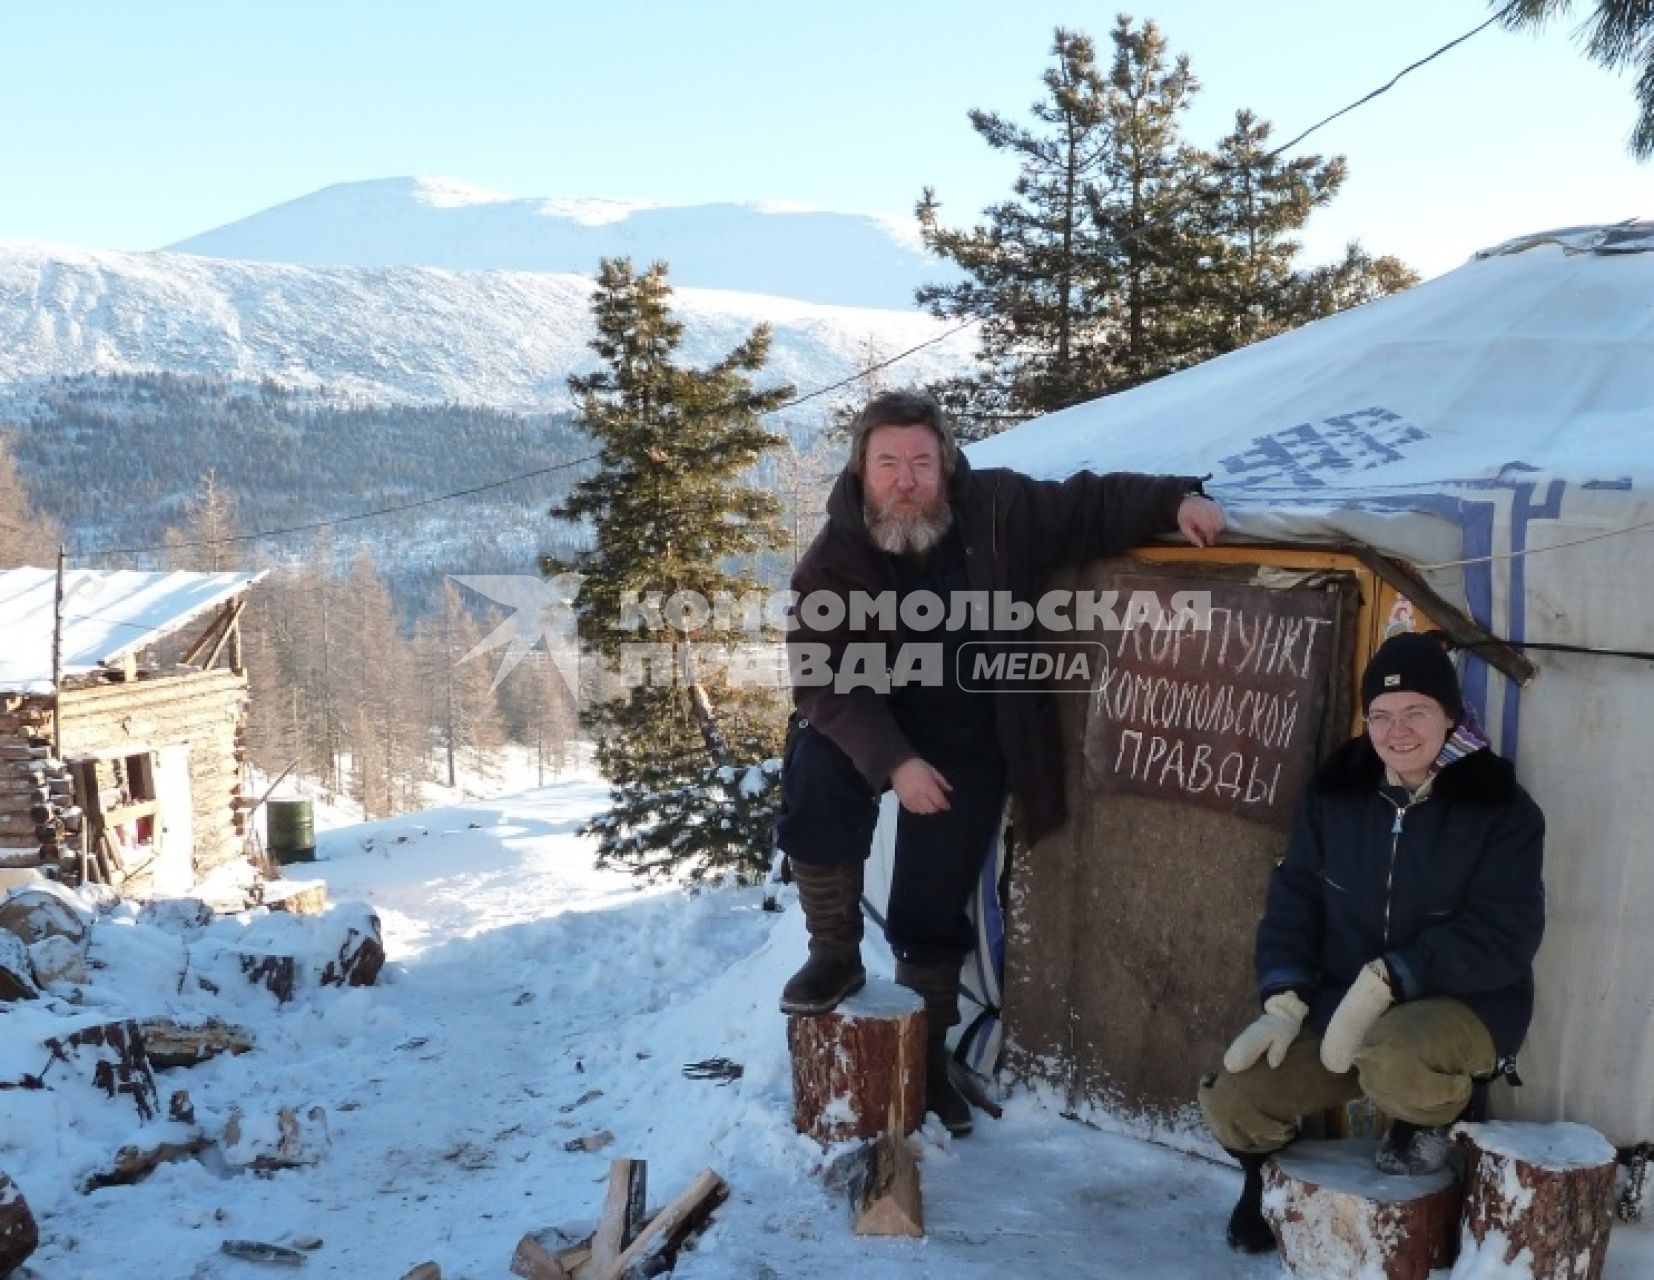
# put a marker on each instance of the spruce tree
(1125, 252)
(1026, 265)
(672, 518)
(1151, 252)
(1621, 38)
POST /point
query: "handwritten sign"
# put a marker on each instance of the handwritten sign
(1222, 708)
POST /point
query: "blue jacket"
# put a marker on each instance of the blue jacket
(1447, 891)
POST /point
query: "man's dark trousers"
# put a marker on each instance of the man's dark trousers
(828, 813)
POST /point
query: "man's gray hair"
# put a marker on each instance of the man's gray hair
(902, 409)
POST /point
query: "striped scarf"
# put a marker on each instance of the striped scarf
(1465, 739)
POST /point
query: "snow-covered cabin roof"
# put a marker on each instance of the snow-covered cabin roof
(106, 615)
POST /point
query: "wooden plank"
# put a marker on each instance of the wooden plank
(533, 1261)
(229, 629)
(622, 1218)
(883, 1182)
(220, 621)
(126, 813)
(658, 1243)
(112, 853)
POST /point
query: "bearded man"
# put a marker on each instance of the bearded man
(915, 538)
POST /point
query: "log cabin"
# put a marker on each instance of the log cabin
(123, 711)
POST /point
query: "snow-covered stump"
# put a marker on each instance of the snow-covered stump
(860, 1070)
(358, 946)
(1334, 1214)
(18, 1234)
(1537, 1196)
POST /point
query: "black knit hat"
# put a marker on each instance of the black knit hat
(1413, 662)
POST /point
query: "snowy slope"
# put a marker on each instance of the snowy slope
(814, 255)
(531, 1001)
(505, 339)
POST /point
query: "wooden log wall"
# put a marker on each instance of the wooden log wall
(205, 710)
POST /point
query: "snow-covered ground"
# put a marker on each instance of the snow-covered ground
(530, 1001)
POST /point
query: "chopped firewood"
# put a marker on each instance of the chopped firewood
(883, 1181)
(551, 1255)
(622, 1218)
(298, 897)
(656, 1248)
(136, 1161)
(176, 1044)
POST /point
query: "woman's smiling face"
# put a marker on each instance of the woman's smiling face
(1408, 730)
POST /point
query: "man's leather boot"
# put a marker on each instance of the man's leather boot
(831, 898)
(1248, 1229)
(938, 985)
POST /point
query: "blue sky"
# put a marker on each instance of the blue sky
(129, 126)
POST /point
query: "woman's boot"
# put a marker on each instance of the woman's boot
(1248, 1229)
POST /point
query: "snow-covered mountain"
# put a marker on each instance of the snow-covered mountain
(781, 250)
(393, 335)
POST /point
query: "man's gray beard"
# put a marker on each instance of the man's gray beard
(901, 535)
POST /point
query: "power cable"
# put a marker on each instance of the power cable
(1534, 551)
(361, 515)
(1393, 81)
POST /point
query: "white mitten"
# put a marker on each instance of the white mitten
(1283, 1015)
(1363, 1004)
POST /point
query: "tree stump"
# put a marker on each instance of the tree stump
(860, 1070)
(360, 950)
(1334, 1214)
(1543, 1193)
(18, 1234)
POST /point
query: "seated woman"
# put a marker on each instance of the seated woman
(1395, 955)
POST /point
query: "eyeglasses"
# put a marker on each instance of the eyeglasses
(1415, 720)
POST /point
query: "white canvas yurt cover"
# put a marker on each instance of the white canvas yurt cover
(1492, 429)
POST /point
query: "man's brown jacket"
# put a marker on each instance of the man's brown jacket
(1016, 531)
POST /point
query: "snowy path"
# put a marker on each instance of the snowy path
(530, 1001)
